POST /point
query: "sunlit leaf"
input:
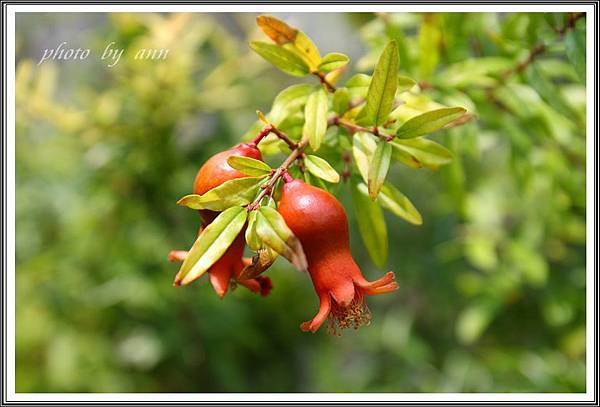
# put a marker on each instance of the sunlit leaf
(382, 89)
(248, 165)
(212, 242)
(288, 101)
(378, 168)
(282, 58)
(315, 113)
(429, 122)
(239, 191)
(363, 148)
(397, 203)
(273, 231)
(334, 60)
(371, 223)
(321, 168)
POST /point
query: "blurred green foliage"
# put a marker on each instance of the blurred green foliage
(492, 295)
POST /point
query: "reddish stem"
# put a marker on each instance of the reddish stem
(261, 135)
(287, 177)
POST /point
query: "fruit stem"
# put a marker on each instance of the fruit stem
(287, 177)
(261, 135)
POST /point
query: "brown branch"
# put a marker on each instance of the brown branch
(330, 88)
(337, 121)
(539, 49)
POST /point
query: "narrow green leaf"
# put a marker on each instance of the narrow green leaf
(212, 242)
(430, 38)
(239, 191)
(371, 223)
(378, 168)
(248, 166)
(363, 148)
(321, 168)
(252, 238)
(382, 89)
(273, 231)
(282, 58)
(575, 43)
(427, 153)
(549, 92)
(315, 113)
(334, 60)
(341, 101)
(429, 122)
(397, 203)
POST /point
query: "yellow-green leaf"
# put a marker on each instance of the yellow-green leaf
(315, 113)
(248, 165)
(321, 168)
(331, 61)
(286, 60)
(382, 89)
(371, 223)
(273, 231)
(378, 168)
(363, 148)
(212, 242)
(239, 191)
(397, 203)
(429, 122)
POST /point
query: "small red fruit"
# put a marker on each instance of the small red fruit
(212, 174)
(319, 220)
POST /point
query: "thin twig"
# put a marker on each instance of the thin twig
(330, 88)
(337, 121)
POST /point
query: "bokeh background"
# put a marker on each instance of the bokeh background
(492, 295)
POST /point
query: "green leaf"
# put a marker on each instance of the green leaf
(321, 168)
(430, 38)
(371, 223)
(358, 84)
(378, 168)
(282, 58)
(429, 122)
(239, 191)
(273, 231)
(248, 166)
(382, 89)
(575, 44)
(212, 242)
(341, 101)
(334, 60)
(289, 101)
(363, 148)
(397, 203)
(549, 92)
(252, 238)
(427, 153)
(315, 113)
(405, 83)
